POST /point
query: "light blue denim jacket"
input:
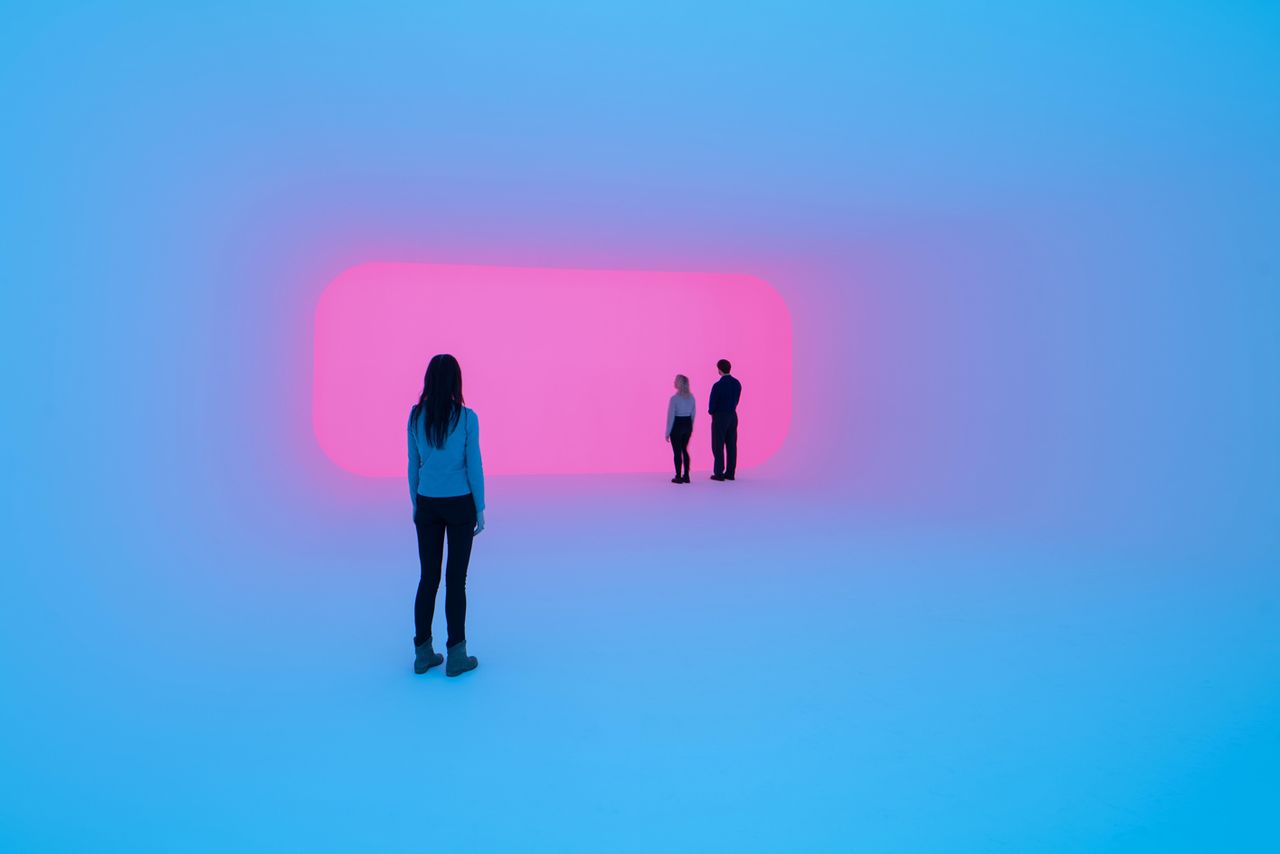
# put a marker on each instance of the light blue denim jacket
(455, 469)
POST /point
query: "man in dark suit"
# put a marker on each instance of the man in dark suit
(723, 406)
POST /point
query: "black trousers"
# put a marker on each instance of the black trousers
(724, 443)
(681, 430)
(434, 517)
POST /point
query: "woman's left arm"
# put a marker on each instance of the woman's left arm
(473, 463)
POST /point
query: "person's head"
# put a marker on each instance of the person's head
(723, 366)
(440, 403)
(682, 384)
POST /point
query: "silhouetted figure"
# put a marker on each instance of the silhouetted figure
(446, 486)
(723, 407)
(680, 426)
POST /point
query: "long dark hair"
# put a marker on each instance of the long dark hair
(440, 403)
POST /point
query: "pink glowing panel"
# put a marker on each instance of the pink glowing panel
(569, 370)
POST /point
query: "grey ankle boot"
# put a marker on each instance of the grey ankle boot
(459, 661)
(426, 657)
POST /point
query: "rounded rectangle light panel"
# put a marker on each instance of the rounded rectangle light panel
(568, 370)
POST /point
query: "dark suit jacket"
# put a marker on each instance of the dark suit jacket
(725, 395)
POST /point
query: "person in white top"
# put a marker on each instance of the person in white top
(680, 412)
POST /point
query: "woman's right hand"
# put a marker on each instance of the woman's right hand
(479, 523)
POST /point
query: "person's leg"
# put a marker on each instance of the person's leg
(680, 433)
(461, 528)
(731, 448)
(717, 445)
(430, 528)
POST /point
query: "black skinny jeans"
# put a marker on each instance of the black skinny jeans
(433, 518)
(681, 430)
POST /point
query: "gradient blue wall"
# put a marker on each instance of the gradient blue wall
(1031, 253)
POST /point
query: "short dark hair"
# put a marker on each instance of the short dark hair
(724, 366)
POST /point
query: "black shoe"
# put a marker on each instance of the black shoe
(728, 477)
(677, 479)
(684, 479)
(425, 657)
(717, 477)
(459, 662)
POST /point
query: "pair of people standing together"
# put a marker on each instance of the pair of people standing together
(722, 406)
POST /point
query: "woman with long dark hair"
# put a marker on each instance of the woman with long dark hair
(446, 486)
(680, 411)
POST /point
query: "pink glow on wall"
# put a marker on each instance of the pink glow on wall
(569, 370)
